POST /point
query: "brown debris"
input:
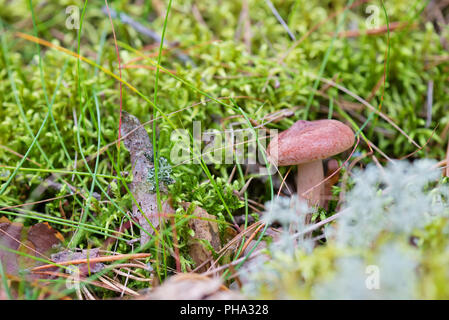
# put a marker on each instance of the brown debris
(188, 286)
(37, 241)
(83, 269)
(205, 230)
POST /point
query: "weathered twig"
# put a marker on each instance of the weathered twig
(124, 18)
(141, 153)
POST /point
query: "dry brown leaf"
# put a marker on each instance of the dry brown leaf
(37, 241)
(83, 269)
(205, 230)
(187, 286)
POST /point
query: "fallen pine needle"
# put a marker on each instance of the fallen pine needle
(95, 260)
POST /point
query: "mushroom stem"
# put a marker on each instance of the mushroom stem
(309, 175)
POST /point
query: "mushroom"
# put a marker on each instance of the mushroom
(306, 144)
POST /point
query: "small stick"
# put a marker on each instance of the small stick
(376, 31)
(124, 18)
(281, 21)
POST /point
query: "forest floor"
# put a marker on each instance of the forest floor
(133, 149)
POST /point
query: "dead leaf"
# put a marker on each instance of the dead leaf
(43, 236)
(84, 269)
(188, 286)
(205, 230)
(37, 241)
(10, 234)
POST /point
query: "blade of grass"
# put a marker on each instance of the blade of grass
(155, 144)
(5, 285)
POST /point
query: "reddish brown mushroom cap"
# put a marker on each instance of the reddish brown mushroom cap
(307, 141)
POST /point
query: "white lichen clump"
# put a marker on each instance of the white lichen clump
(290, 213)
(397, 199)
(375, 237)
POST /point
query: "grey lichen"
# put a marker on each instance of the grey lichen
(371, 254)
(164, 175)
(396, 199)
